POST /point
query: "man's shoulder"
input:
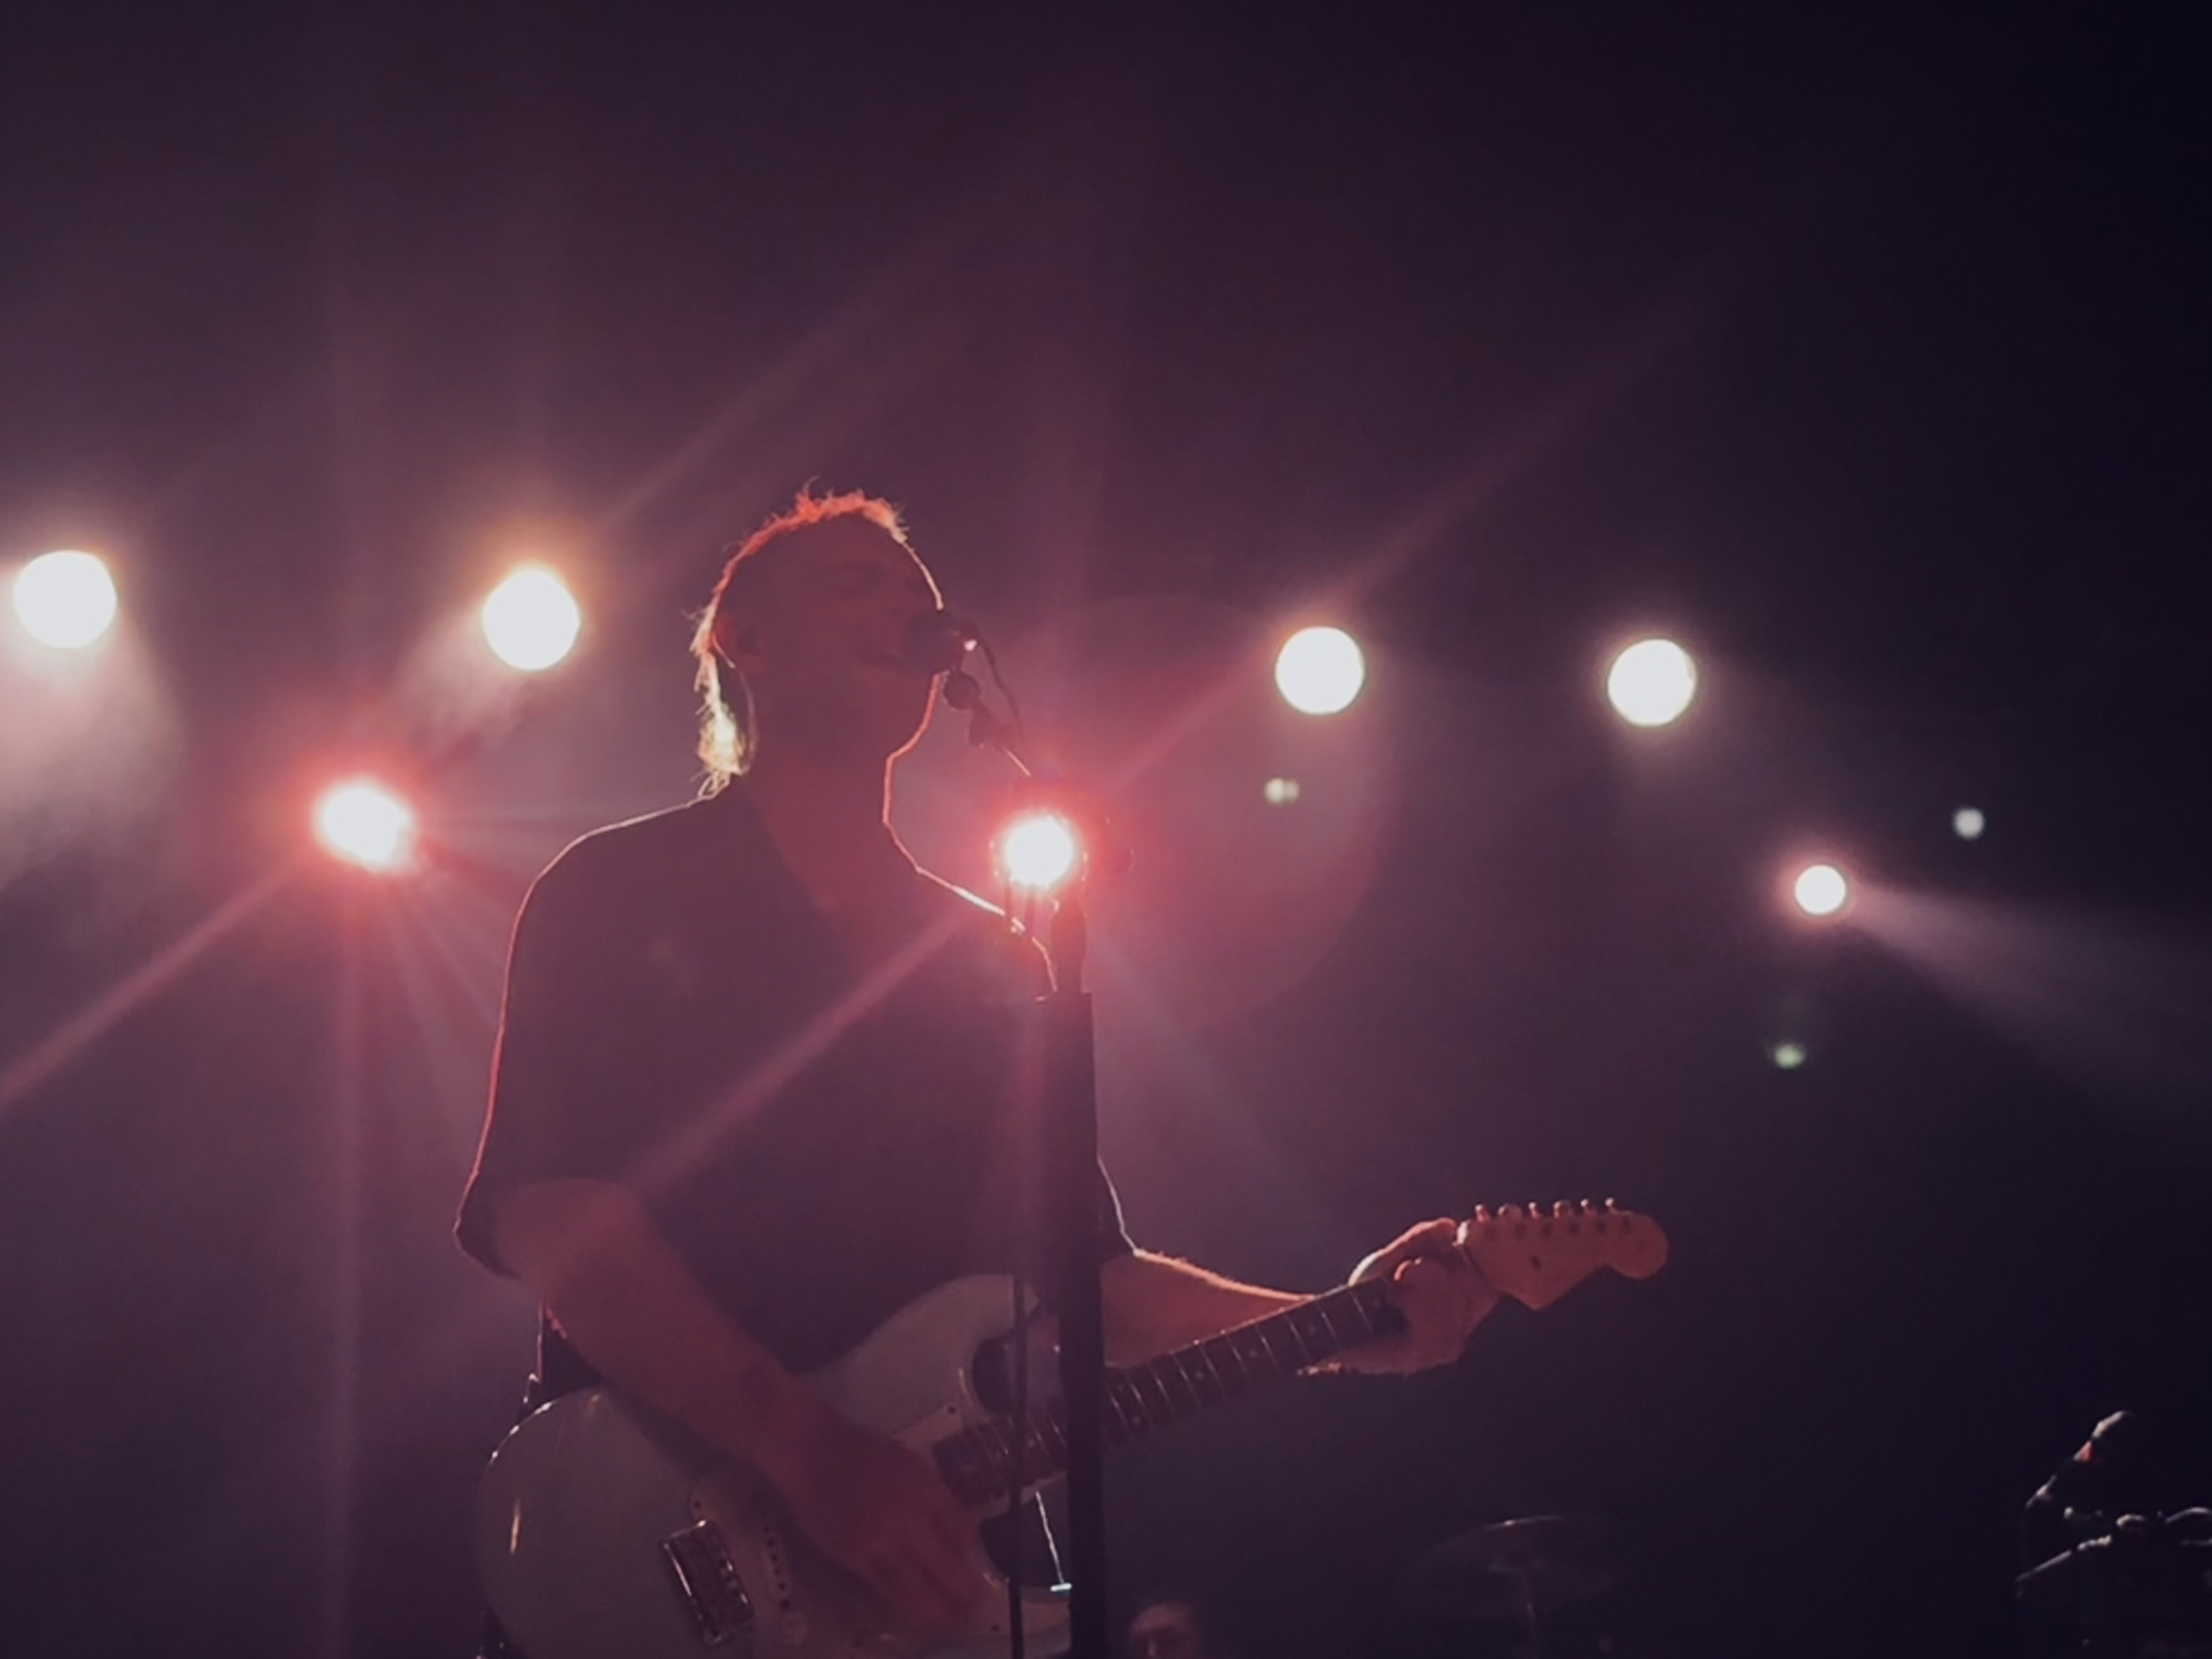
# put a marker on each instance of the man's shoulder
(667, 846)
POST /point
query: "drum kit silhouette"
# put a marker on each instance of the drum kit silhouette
(2110, 1571)
(1511, 1574)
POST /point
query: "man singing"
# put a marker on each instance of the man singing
(749, 1092)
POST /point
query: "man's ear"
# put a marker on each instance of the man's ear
(738, 644)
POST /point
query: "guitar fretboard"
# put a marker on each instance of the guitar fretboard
(978, 1463)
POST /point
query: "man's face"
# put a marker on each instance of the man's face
(820, 641)
(1166, 1630)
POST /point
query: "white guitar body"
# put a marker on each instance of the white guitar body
(604, 1531)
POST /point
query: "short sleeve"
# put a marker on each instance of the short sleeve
(556, 1111)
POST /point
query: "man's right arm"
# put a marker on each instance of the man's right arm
(626, 1299)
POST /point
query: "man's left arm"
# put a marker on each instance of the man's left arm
(1155, 1303)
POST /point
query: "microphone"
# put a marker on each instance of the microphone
(937, 641)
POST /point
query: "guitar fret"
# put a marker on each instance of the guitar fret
(1356, 1304)
(1216, 1349)
(1376, 1310)
(1158, 1407)
(1182, 1398)
(1253, 1354)
(1198, 1376)
(1126, 1408)
(1337, 1342)
(1163, 1376)
(979, 1462)
(1314, 1336)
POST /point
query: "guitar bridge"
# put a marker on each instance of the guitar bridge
(708, 1580)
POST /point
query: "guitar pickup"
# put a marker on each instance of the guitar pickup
(708, 1580)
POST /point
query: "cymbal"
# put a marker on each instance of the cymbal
(1494, 1574)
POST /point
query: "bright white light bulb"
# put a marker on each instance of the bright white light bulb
(365, 824)
(64, 600)
(1967, 823)
(1651, 683)
(531, 620)
(1038, 851)
(1319, 670)
(1820, 890)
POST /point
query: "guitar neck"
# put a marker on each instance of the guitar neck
(978, 1463)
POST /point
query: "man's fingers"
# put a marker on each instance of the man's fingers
(1436, 1239)
(1442, 1300)
(1470, 1292)
(1431, 1240)
(1438, 1289)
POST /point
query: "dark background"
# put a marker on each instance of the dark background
(1864, 349)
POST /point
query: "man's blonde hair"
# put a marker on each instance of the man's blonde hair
(725, 727)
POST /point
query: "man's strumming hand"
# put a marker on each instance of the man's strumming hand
(1437, 1288)
(881, 1512)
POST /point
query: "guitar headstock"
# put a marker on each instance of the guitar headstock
(1536, 1255)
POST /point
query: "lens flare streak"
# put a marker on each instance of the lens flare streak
(45, 1059)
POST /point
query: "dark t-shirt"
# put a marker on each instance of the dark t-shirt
(822, 1145)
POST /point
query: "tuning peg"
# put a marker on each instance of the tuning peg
(1482, 1216)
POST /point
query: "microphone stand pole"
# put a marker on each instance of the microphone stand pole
(1068, 1104)
(1065, 1112)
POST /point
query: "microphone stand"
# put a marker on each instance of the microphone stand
(1066, 1113)
(1068, 1104)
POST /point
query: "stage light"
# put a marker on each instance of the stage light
(531, 619)
(1788, 1056)
(1820, 890)
(1037, 850)
(1967, 823)
(362, 822)
(1319, 670)
(1280, 792)
(1651, 683)
(64, 600)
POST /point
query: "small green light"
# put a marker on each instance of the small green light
(1789, 1055)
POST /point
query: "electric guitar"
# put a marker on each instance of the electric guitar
(606, 1531)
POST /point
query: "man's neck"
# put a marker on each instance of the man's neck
(832, 825)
